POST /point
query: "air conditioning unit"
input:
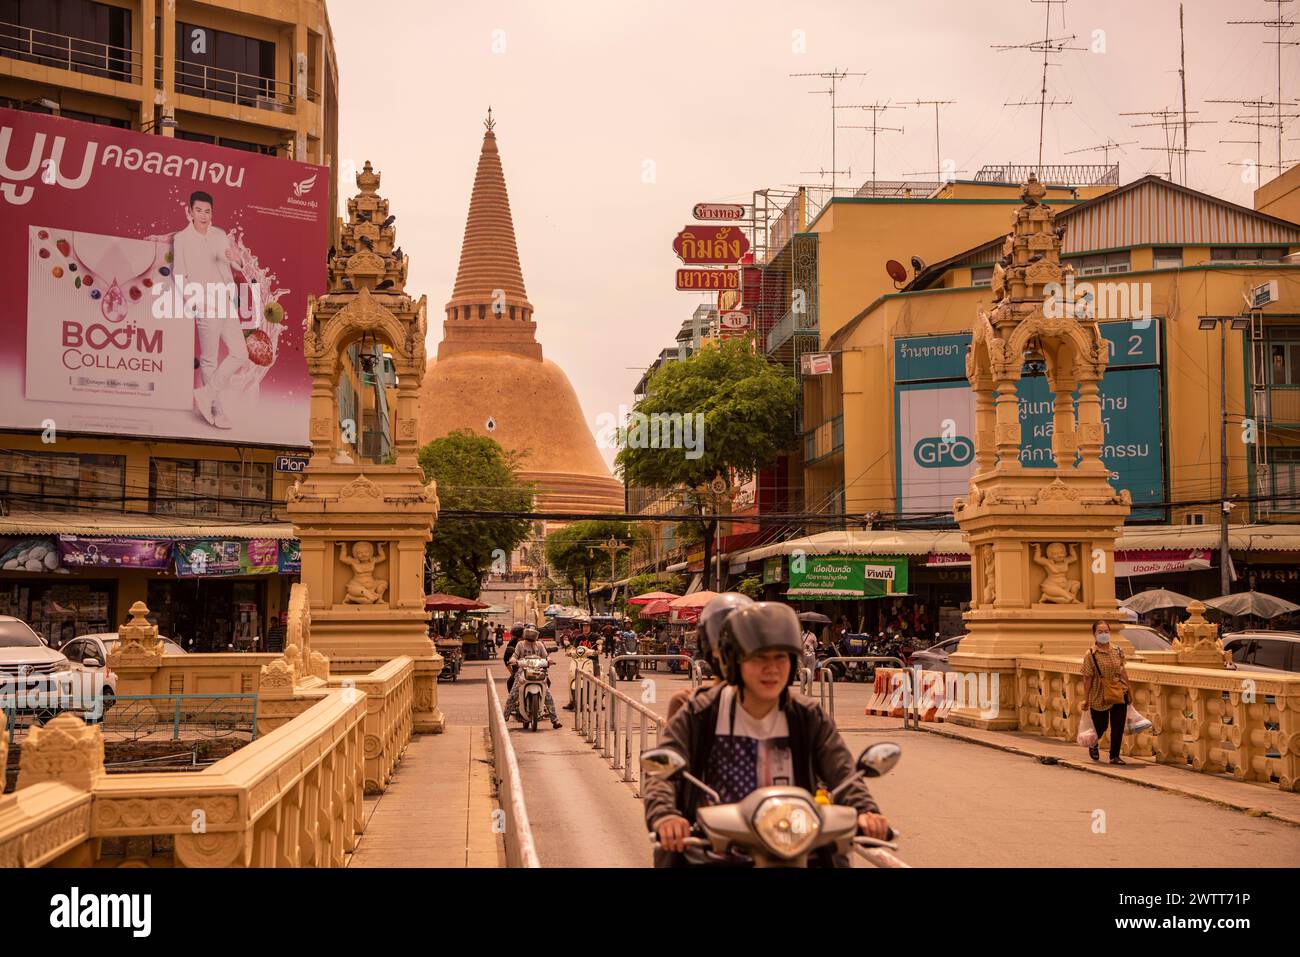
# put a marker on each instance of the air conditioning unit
(1194, 518)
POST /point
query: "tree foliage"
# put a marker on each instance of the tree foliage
(573, 557)
(473, 473)
(748, 407)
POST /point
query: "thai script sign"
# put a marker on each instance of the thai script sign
(711, 245)
(718, 211)
(708, 280)
(846, 576)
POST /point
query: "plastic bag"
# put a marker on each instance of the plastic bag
(1135, 722)
(1087, 733)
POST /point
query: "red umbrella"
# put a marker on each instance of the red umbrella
(650, 597)
(655, 609)
(442, 602)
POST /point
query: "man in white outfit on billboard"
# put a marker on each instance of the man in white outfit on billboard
(201, 255)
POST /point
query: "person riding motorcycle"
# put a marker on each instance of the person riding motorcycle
(531, 646)
(516, 636)
(753, 730)
(708, 629)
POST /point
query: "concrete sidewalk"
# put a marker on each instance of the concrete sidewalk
(437, 810)
(1256, 800)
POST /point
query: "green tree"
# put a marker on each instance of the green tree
(751, 587)
(573, 556)
(474, 474)
(746, 408)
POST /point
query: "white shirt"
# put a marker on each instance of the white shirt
(201, 257)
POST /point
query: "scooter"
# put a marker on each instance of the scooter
(530, 689)
(778, 826)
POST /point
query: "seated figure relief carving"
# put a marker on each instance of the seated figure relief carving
(363, 588)
(1058, 587)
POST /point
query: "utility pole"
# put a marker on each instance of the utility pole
(1207, 324)
(875, 128)
(1046, 46)
(834, 76)
(1182, 85)
(938, 163)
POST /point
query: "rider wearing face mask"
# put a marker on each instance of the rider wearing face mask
(531, 646)
(751, 731)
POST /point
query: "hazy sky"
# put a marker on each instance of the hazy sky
(586, 92)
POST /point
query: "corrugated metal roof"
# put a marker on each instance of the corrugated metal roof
(132, 525)
(922, 542)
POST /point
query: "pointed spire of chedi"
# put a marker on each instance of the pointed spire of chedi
(489, 307)
(490, 377)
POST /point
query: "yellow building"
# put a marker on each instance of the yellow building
(887, 430)
(254, 75)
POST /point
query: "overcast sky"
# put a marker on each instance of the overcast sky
(593, 98)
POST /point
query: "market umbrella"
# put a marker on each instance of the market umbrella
(1251, 603)
(1155, 598)
(651, 596)
(1128, 613)
(439, 601)
(655, 609)
(814, 618)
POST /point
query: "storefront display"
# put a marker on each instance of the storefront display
(209, 614)
(60, 611)
(203, 557)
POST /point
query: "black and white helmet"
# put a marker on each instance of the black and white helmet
(760, 626)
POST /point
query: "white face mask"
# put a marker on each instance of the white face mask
(1103, 637)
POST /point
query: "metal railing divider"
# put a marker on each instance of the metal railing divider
(519, 847)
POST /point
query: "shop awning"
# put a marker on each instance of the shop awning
(1241, 538)
(134, 524)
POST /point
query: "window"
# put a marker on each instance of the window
(1099, 263)
(77, 35)
(1247, 253)
(1167, 257)
(1266, 652)
(1284, 471)
(239, 490)
(47, 480)
(223, 66)
(981, 276)
(1284, 362)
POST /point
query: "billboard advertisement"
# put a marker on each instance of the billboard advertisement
(846, 576)
(207, 557)
(935, 419)
(155, 286)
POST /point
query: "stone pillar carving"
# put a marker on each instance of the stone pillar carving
(138, 655)
(1198, 644)
(66, 750)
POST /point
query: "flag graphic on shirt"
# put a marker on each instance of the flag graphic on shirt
(739, 764)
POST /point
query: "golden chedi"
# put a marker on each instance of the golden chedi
(489, 375)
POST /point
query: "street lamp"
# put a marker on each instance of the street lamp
(1208, 324)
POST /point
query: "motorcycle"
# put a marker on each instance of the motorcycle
(778, 826)
(530, 688)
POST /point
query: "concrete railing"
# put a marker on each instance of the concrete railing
(390, 692)
(292, 798)
(520, 850)
(1240, 723)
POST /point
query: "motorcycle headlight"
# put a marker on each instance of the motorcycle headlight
(788, 826)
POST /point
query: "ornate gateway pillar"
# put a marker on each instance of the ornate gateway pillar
(1042, 540)
(364, 527)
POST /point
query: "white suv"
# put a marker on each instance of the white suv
(35, 678)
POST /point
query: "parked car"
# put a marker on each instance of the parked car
(106, 643)
(1262, 650)
(37, 679)
(1146, 638)
(935, 658)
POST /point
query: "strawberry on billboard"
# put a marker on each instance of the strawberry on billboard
(710, 245)
(154, 285)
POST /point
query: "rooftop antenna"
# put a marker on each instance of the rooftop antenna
(875, 128)
(1259, 106)
(1171, 121)
(938, 165)
(834, 76)
(1105, 149)
(1046, 46)
(1278, 24)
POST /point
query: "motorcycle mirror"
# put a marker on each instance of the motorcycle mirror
(662, 762)
(879, 759)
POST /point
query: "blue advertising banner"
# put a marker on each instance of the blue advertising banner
(935, 419)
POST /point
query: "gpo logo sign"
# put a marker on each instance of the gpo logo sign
(939, 453)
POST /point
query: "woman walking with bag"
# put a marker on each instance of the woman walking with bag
(1106, 690)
